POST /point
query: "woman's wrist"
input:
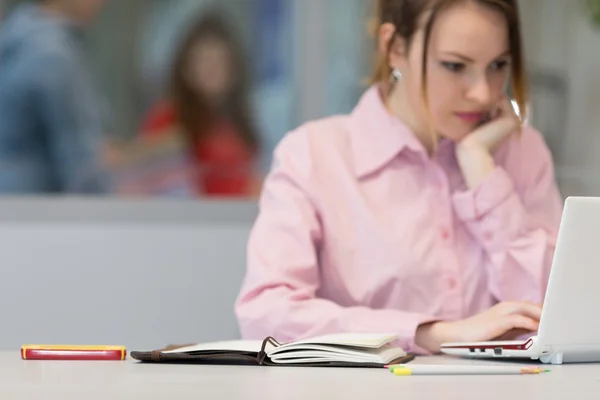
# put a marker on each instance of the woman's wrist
(476, 164)
(431, 335)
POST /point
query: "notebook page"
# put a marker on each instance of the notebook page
(366, 340)
(383, 356)
(232, 345)
(333, 351)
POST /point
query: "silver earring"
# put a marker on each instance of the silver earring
(396, 74)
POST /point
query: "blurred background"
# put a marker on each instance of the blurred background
(172, 99)
(242, 73)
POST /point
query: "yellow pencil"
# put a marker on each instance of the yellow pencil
(463, 370)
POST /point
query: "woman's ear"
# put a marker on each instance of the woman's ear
(392, 46)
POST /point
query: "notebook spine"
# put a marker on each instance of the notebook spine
(262, 354)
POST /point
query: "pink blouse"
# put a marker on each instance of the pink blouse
(360, 231)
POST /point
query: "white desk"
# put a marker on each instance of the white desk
(29, 380)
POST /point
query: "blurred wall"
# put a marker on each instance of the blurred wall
(563, 59)
(112, 41)
(161, 274)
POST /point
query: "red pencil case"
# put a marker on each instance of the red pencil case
(73, 352)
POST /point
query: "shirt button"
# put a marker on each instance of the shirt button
(451, 281)
(445, 233)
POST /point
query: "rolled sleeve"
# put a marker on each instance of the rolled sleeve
(515, 217)
(475, 203)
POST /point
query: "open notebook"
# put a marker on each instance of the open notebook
(338, 350)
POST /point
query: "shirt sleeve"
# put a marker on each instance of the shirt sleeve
(515, 217)
(278, 297)
(73, 126)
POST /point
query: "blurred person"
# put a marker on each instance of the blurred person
(208, 107)
(51, 135)
(430, 211)
(159, 34)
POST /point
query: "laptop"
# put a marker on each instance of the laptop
(569, 330)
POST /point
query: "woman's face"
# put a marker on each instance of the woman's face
(468, 69)
(209, 68)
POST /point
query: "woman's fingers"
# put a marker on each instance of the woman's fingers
(503, 324)
(516, 321)
(530, 310)
(505, 321)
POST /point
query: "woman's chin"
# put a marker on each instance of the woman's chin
(455, 136)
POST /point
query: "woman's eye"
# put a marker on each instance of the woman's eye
(453, 66)
(499, 65)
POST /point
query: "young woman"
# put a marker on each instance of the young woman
(208, 106)
(430, 211)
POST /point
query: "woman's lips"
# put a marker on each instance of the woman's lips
(471, 116)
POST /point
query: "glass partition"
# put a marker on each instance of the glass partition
(300, 60)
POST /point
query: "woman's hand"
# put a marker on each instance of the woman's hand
(474, 151)
(504, 321)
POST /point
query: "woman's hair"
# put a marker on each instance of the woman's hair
(406, 15)
(193, 110)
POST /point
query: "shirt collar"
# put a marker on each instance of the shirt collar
(378, 136)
